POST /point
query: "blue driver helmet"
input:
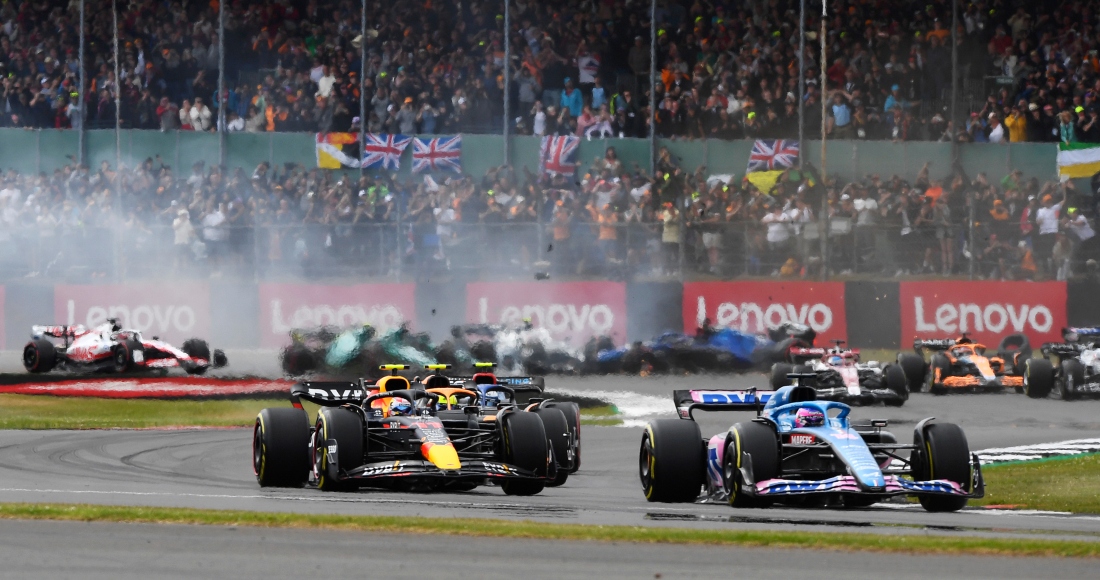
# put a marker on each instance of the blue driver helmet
(835, 360)
(400, 407)
(807, 417)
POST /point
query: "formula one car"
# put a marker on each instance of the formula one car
(840, 376)
(960, 364)
(111, 348)
(802, 451)
(392, 434)
(1077, 372)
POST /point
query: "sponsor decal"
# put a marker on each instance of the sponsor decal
(802, 439)
(753, 307)
(174, 312)
(571, 311)
(728, 397)
(284, 307)
(395, 467)
(336, 394)
(987, 311)
(498, 468)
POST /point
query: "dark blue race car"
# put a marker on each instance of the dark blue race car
(799, 450)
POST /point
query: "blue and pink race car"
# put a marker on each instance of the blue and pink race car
(802, 451)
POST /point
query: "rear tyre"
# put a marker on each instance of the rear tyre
(39, 356)
(1038, 377)
(893, 378)
(346, 427)
(122, 355)
(1014, 347)
(779, 375)
(572, 412)
(525, 446)
(197, 348)
(672, 461)
(557, 431)
(1073, 374)
(280, 448)
(762, 444)
(944, 454)
(914, 368)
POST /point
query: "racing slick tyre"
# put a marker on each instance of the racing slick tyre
(280, 447)
(1073, 374)
(1014, 347)
(762, 444)
(894, 379)
(779, 375)
(122, 355)
(39, 356)
(298, 360)
(672, 461)
(914, 368)
(572, 412)
(1038, 377)
(346, 427)
(557, 431)
(943, 454)
(941, 364)
(524, 445)
(197, 348)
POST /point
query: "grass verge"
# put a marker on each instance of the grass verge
(1068, 484)
(46, 412)
(547, 531)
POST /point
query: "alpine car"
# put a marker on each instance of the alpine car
(393, 434)
(839, 375)
(111, 348)
(802, 451)
(1077, 372)
(959, 364)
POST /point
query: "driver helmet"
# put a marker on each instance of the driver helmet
(400, 407)
(835, 359)
(806, 417)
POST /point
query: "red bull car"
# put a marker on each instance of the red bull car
(802, 451)
(841, 376)
(961, 365)
(111, 348)
(394, 434)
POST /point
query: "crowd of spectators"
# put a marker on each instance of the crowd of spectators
(611, 221)
(726, 69)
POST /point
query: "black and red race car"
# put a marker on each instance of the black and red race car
(111, 348)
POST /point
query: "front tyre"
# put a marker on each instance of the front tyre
(672, 461)
(944, 454)
(524, 445)
(779, 375)
(893, 378)
(761, 444)
(572, 412)
(197, 348)
(1073, 375)
(1038, 377)
(122, 355)
(280, 447)
(39, 356)
(914, 368)
(557, 430)
(346, 428)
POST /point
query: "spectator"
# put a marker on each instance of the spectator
(571, 99)
(996, 130)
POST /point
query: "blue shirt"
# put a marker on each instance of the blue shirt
(573, 102)
(842, 114)
(598, 97)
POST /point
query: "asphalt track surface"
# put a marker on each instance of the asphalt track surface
(212, 469)
(122, 551)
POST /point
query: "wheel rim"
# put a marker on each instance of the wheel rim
(644, 461)
(729, 471)
(30, 357)
(120, 357)
(257, 449)
(1067, 385)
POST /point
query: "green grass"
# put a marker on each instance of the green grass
(902, 543)
(46, 412)
(1070, 484)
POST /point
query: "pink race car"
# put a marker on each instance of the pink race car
(110, 348)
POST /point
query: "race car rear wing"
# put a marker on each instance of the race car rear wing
(518, 384)
(802, 352)
(1076, 333)
(933, 344)
(330, 393)
(689, 400)
(1062, 349)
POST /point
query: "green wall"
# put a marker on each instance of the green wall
(46, 150)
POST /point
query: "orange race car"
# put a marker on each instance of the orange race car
(952, 364)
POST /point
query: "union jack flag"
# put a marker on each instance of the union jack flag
(384, 151)
(558, 153)
(772, 154)
(441, 153)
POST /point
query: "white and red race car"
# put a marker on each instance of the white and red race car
(841, 376)
(111, 348)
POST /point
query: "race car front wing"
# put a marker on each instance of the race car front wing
(848, 484)
(471, 469)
